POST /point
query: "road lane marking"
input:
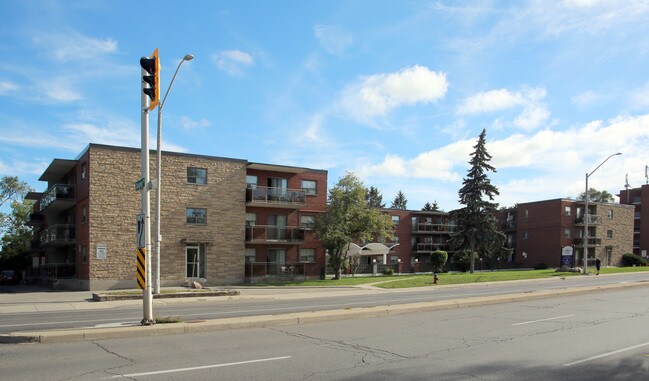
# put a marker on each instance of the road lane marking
(541, 320)
(606, 354)
(194, 368)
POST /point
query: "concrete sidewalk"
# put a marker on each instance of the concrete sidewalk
(41, 300)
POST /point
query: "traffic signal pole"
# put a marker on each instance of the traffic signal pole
(147, 296)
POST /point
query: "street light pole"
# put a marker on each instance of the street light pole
(586, 216)
(158, 237)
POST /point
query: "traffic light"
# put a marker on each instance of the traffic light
(152, 66)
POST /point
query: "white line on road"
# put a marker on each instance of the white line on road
(194, 368)
(607, 354)
(538, 321)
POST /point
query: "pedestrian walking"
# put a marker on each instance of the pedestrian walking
(598, 264)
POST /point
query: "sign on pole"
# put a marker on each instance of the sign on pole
(140, 239)
(139, 185)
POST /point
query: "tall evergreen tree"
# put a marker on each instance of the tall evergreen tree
(400, 201)
(476, 223)
(374, 198)
(428, 207)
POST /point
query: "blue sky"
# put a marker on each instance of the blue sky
(394, 91)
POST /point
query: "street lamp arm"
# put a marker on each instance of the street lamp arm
(188, 57)
(602, 163)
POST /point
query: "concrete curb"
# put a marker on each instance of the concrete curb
(264, 321)
(114, 297)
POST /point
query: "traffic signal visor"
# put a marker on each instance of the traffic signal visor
(152, 66)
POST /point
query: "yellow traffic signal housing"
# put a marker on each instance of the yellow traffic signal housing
(152, 66)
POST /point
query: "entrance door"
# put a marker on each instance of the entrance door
(195, 262)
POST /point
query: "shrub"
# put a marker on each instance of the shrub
(540, 266)
(629, 260)
(463, 259)
(388, 271)
(438, 259)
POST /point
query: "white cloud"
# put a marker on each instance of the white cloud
(60, 90)
(190, 124)
(333, 38)
(586, 98)
(74, 46)
(7, 87)
(378, 94)
(492, 100)
(232, 62)
(534, 114)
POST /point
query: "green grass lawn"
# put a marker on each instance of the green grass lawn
(407, 281)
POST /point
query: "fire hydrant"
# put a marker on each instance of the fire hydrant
(435, 278)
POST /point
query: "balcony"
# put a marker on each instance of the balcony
(58, 235)
(508, 226)
(275, 197)
(58, 198)
(593, 219)
(592, 241)
(429, 227)
(55, 271)
(35, 219)
(428, 247)
(274, 235)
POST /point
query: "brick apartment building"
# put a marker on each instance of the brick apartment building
(637, 197)
(551, 232)
(217, 215)
(418, 233)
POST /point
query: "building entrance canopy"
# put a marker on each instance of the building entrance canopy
(370, 249)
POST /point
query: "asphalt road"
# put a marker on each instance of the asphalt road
(277, 301)
(596, 336)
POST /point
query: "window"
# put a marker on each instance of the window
(251, 219)
(525, 234)
(567, 233)
(251, 181)
(277, 256)
(83, 249)
(610, 214)
(251, 255)
(609, 234)
(526, 213)
(196, 216)
(84, 214)
(567, 211)
(395, 220)
(196, 175)
(307, 255)
(195, 256)
(84, 171)
(309, 186)
(307, 222)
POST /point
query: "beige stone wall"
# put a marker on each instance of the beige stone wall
(114, 204)
(621, 225)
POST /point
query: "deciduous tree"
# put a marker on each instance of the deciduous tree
(348, 218)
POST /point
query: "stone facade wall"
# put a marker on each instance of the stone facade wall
(114, 204)
(621, 225)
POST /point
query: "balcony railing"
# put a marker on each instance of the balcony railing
(58, 235)
(592, 241)
(425, 227)
(510, 225)
(276, 197)
(593, 219)
(429, 246)
(58, 192)
(274, 234)
(56, 271)
(257, 271)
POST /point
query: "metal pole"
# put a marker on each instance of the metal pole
(586, 216)
(147, 297)
(586, 228)
(158, 193)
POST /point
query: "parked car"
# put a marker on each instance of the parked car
(9, 277)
